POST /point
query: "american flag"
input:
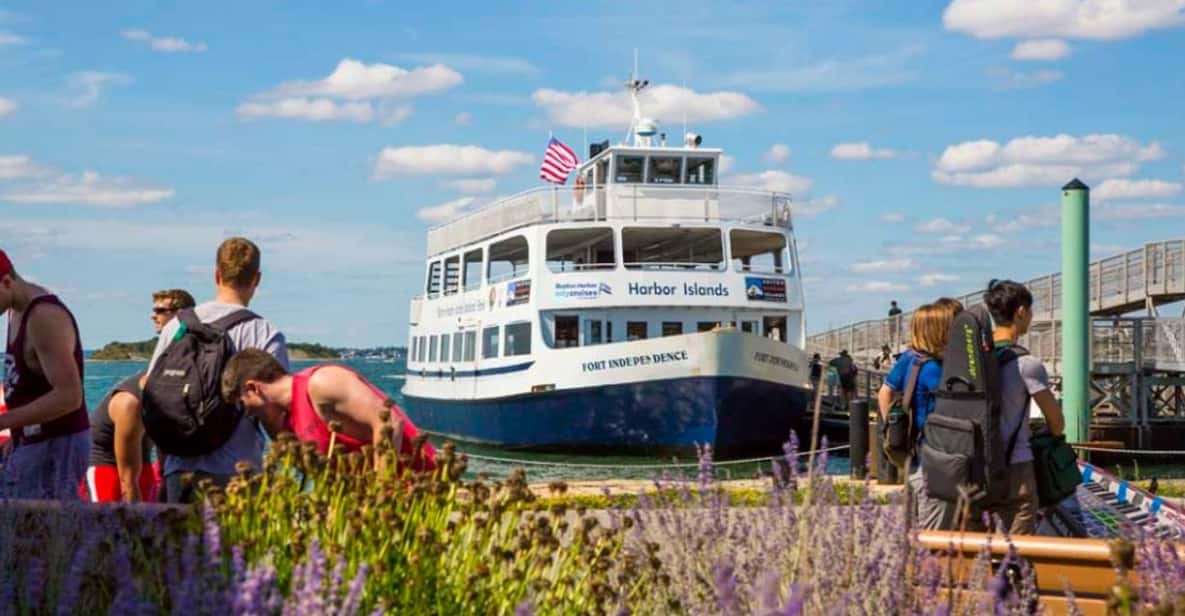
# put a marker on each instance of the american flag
(558, 161)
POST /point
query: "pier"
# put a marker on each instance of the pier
(1137, 354)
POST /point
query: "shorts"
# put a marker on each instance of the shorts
(49, 469)
(102, 484)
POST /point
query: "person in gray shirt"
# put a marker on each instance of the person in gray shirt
(236, 278)
(1011, 307)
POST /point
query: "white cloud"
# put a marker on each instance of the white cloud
(1040, 49)
(942, 226)
(664, 102)
(986, 240)
(773, 180)
(166, 44)
(89, 188)
(447, 159)
(355, 92)
(933, 280)
(1014, 80)
(19, 167)
(777, 153)
(473, 186)
(87, 86)
(1115, 189)
(727, 164)
(1049, 215)
(859, 151)
(1138, 211)
(876, 286)
(506, 65)
(463, 119)
(446, 211)
(813, 207)
(317, 109)
(1088, 19)
(8, 38)
(893, 217)
(354, 80)
(832, 74)
(7, 106)
(883, 265)
(1038, 161)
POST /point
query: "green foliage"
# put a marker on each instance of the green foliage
(125, 351)
(312, 350)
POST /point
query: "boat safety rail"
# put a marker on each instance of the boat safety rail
(544, 469)
(635, 201)
(1159, 453)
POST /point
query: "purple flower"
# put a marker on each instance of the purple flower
(726, 588)
(353, 598)
(523, 608)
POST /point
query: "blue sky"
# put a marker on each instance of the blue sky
(924, 141)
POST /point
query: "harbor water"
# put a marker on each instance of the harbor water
(540, 466)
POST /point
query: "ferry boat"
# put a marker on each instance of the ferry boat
(643, 308)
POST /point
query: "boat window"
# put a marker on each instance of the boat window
(774, 327)
(508, 259)
(759, 251)
(433, 285)
(700, 171)
(471, 275)
(444, 339)
(672, 328)
(570, 250)
(423, 348)
(608, 331)
(593, 335)
(414, 348)
(432, 348)
(567, 332)
(603, 172)
(629, 169)
(458, 346)
(705, 326)
(470, 343)
(452, 274)
(665, 170)
(518, 339)
(489, 342)
(672, 248)
(749, 327)
(635, 330)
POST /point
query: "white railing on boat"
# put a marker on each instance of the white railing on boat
(641, 202)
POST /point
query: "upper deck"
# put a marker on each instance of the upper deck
(624, 183)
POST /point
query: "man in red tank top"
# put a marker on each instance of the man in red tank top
(304, 403)
(43, 387)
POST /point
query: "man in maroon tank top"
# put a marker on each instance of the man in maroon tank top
(43, 387)
(305, 402)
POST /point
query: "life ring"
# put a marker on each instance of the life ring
(578, 189)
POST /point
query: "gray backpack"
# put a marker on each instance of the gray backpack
(965, 451)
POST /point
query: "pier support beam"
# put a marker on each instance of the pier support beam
(1076, 310)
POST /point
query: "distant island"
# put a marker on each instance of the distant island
(142, 351)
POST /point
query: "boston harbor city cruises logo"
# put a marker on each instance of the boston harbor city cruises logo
(582, 290)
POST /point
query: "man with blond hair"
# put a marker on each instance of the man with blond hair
(236, 278)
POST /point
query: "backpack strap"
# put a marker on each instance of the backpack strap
(911, 384)
(237, 317)
(1005, 356)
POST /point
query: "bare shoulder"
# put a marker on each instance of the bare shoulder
(329, 381)
(47, 318)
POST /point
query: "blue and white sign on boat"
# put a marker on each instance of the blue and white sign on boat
(582, 290)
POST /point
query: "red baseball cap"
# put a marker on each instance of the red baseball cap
(5, 264)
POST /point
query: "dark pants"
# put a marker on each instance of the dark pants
(182, 488)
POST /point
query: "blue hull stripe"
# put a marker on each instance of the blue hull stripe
(441, 374)
(733, 414)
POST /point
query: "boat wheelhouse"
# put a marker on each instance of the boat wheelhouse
(643, 307)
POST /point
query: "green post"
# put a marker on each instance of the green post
(1076, 310)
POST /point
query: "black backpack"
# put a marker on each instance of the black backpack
(965, 452)
(183, 410)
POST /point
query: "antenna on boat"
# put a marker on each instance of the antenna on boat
(641, 128)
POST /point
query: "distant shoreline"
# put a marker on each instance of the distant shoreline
(141, 351)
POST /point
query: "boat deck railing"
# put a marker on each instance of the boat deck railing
(640, 202)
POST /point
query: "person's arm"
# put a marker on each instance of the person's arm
(342, 395)
(52, 335)
(1036, 381)
(129, 439)
(884, 400)
(1052, 410)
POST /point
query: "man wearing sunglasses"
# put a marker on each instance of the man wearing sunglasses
(120, 450)
(166, 303)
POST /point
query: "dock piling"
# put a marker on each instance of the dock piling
(1076, 309)
(858, 438)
